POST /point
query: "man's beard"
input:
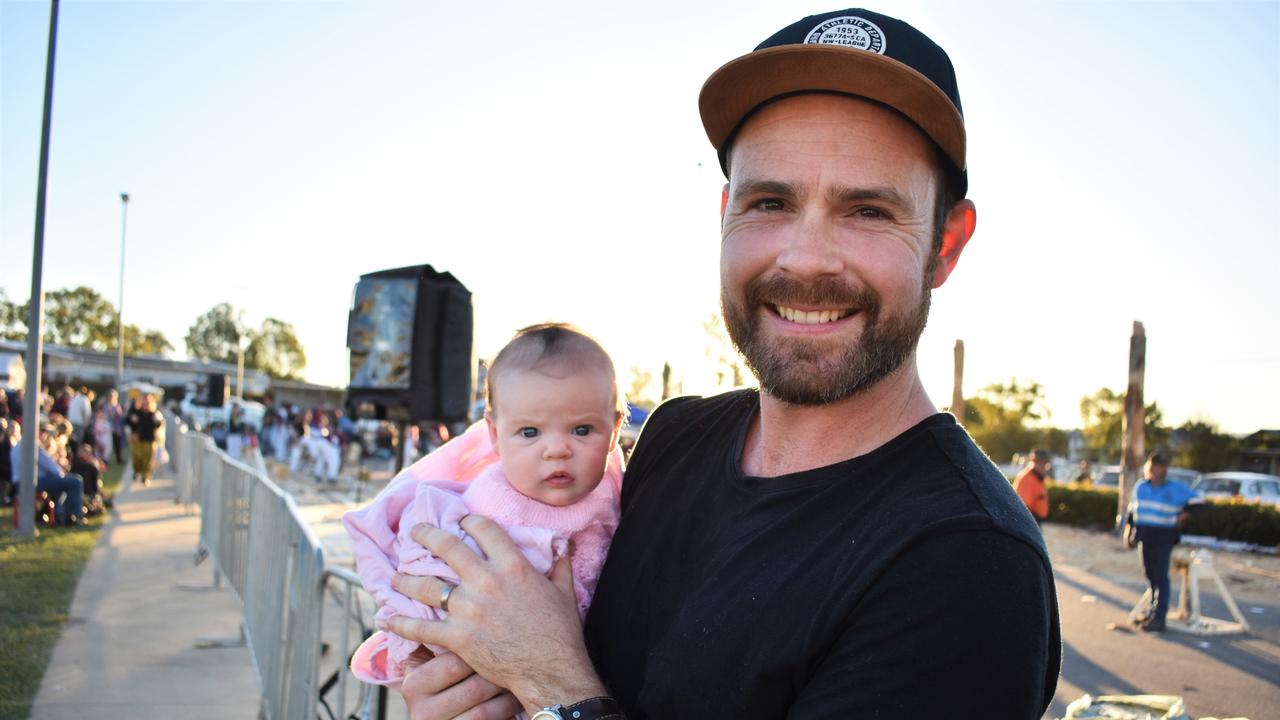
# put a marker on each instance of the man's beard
(794, 369)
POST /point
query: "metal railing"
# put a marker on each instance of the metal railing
(275, 564)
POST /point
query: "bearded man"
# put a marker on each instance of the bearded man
(829, 545)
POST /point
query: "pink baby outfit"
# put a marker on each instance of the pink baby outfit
(429, 491)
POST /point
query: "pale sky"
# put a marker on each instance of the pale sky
(1124, 158)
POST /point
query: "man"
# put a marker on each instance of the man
(1157, 513)
(144, 423)
(66, 489)
(829, 546)
(1030, 484)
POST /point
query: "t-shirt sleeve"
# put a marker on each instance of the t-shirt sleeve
(960, 621)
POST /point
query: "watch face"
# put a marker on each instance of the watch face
(551, 713)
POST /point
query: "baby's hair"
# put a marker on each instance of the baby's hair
(550, 348)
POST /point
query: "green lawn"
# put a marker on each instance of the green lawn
(37, 579)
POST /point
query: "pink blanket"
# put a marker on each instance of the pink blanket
(464, 477)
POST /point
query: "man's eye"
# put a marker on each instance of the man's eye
(770, 205)
(870, 213)
(529, 432)
(582, 430)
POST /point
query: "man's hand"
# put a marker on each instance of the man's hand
(516, 628)
(446, 687)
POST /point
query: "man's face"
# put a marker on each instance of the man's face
(825, 265)
(1041, 465)
(1156, 472)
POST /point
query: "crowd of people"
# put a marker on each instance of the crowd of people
(78, 436)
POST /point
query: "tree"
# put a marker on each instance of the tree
(641, 390)
(1006, 418)
(274, 349)
(1103, 414)
(13, 323)
(729, 367)
(79, 317)
(216, 334)
(145, 342)
(1203, 447)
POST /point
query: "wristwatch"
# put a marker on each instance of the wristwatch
(596, 708)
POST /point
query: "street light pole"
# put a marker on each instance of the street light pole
(124, 226)
(35, 318)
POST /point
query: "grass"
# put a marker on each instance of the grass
(37, 580)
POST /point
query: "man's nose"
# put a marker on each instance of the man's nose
(810, 248)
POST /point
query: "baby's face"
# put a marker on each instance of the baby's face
(554, 434)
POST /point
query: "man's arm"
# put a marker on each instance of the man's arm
(960, 621)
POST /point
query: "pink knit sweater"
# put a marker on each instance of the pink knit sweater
(429, 492)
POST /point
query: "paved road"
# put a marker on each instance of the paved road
(1225, 676)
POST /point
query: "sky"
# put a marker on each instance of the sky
(1124, 159)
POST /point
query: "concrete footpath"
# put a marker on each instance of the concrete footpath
(129, 647)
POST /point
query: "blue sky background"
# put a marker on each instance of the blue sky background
(1124, 157)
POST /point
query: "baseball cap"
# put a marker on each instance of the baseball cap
(853, 52)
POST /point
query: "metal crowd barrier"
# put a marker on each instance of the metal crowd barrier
(275, 564)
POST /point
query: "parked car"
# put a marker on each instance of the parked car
(1251, 486)
(1109, 476)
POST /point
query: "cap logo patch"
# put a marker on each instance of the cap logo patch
(849, 31)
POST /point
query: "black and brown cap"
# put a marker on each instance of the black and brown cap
(852, 52)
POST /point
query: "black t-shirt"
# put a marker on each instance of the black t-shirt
(909, 582)
(144, 424)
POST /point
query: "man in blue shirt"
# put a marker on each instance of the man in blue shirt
(52, 479)
(1158, 511)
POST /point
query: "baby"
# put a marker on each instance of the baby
(544, 464)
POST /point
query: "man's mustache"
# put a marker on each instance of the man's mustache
(827, 292)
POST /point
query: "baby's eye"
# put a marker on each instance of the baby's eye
(529, 432)
(582, 430)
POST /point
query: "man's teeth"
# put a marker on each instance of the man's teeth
(810, 317)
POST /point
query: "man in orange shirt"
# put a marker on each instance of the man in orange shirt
(1030, 485)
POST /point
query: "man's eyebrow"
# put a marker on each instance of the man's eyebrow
(881, 194)
(763, 187)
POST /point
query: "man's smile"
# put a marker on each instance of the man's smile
(811, 317)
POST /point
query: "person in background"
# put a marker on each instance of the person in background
(1084, 475)
(144, 423)
(66, 489)
(1157, 513)
(115, 415)
(1031, 484)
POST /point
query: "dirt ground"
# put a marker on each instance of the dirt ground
(1251, 577)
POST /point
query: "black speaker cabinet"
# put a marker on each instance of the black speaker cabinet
(409, 334)
(218, 389)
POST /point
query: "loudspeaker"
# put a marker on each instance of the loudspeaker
(409, 333)
(218, 389)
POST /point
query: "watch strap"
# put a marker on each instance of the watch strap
(596, 708)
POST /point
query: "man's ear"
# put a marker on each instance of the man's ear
(724, 200)
(493, 433)
(959, 227)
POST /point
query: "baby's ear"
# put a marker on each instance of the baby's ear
(493, 432)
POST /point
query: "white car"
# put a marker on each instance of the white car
(1251, 486)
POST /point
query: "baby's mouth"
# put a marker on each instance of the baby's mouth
(559, 479)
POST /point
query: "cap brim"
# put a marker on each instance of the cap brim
(742, 85)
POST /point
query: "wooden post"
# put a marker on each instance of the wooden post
(666, 380)
(1132, 437)
(957, 387)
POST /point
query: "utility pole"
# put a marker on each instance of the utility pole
(124, 224)
(1133, 434)
(35, 318)
(957, 386)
